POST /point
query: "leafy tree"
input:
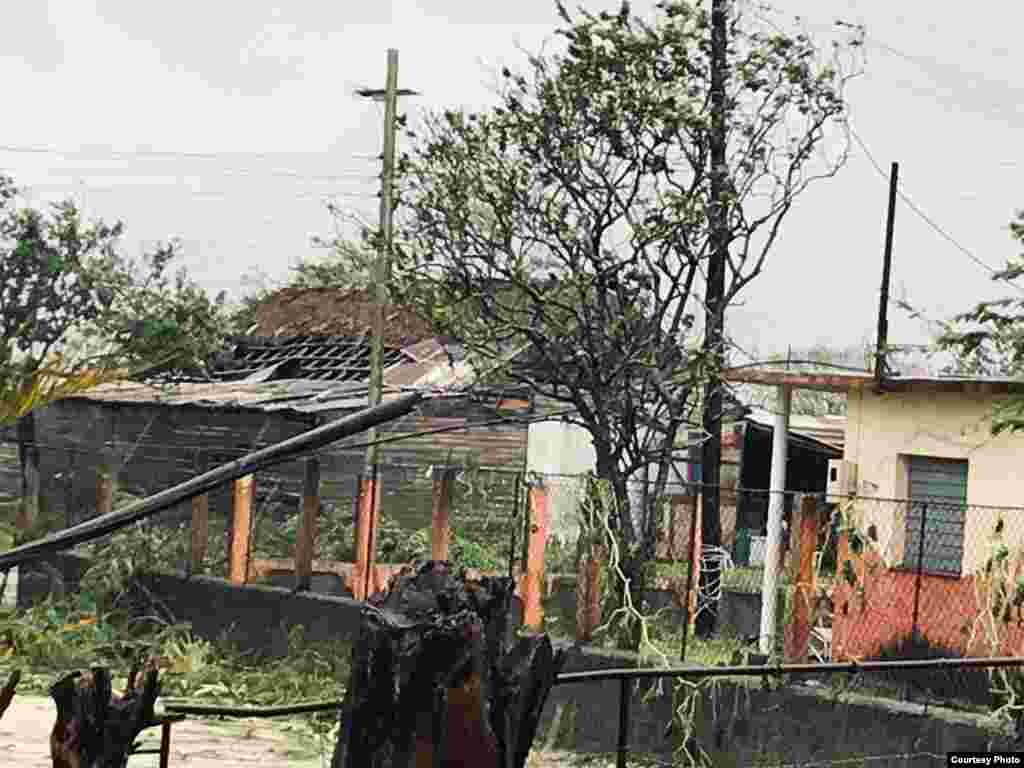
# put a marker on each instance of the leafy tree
(988, 340)
(158, 320)
(562, 235)
(73, 313)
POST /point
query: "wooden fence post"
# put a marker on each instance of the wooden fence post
(532, 580)
(241, 521)
(588, 593)
(366, 537)
(104, 491)
(696, 549)
(440, 529)
(803, 543)
(305, 544)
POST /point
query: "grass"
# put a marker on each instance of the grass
(741, 578)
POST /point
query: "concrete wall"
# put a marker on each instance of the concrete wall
(882, 430)
(737, 725)
(749, 725)
(256, 618)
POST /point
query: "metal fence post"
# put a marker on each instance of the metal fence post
(917, 579)
(625, 693)
(515, 522)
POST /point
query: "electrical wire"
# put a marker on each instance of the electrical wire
(284, 173)
(924, 217)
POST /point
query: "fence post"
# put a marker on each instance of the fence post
(803, 542)
(241, 521)
(104, 491)
(588, 593)
(366, 536)
(440, 530)
(692, 573)
(917, 579)
(532, 580)
(625, 696)
(305, 542)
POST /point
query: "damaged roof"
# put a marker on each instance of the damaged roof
(300, 375)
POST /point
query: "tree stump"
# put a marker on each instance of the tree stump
(96, 728)
(7, 692)
(434, 681)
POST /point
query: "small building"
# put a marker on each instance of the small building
(919, 457)
(304, 362)
(562, 451)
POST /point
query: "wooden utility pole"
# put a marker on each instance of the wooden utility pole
(883, 301)
(369, 490)
(711, 449)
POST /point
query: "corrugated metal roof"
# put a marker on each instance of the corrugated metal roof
(297, 395)
(830, 430)
(833, 380)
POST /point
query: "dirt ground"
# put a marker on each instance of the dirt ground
(25, 730)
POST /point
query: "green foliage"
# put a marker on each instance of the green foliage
(160, 317)
(988, 340)
(560, 234)
(54, 637)
(395, 544)
(349, 264)
(74, 313)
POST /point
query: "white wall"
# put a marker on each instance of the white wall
(560, 451)
(881, 430)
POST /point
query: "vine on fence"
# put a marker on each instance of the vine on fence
(999, 592)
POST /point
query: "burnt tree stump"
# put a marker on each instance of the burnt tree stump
(434, 682)
(7, 692)
(96, 728)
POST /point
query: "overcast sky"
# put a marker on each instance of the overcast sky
(123, 90)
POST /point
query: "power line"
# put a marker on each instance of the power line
(222, 157)
(925, 217)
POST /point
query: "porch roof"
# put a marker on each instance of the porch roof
(838, 380)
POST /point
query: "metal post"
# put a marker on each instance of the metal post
(515, 519)
(625, 693)
(883, 302)
(776, 502)
(920, 568)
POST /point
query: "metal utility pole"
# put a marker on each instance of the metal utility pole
(369, 490)
(711, 452)
(883, 301)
